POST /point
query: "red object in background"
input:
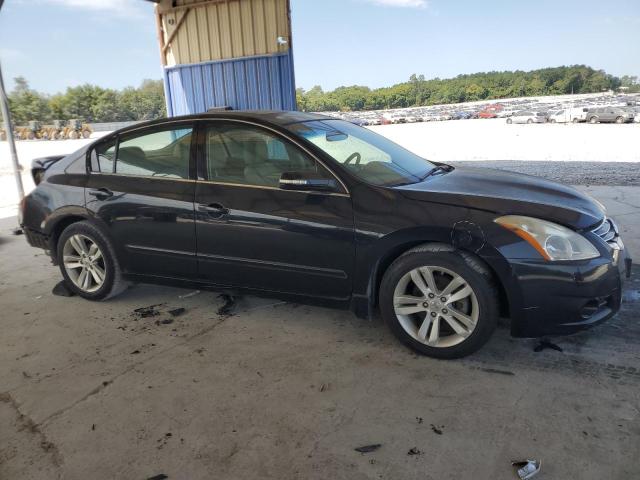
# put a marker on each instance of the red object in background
(487, 114)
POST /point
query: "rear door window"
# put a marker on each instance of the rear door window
(163, 153)
(102, 157)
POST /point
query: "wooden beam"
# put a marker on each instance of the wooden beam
(160, 32)
(175, 30)
(202, 3)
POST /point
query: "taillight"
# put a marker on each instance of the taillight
(37, 174)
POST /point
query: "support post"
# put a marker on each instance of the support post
(8, 127)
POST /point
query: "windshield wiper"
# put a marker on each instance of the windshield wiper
(438, 168)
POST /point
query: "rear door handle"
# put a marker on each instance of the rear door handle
(101, 193)
(214, 209)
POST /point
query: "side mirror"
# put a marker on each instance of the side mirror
(304, 181)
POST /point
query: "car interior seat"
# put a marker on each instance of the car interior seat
(260, 170)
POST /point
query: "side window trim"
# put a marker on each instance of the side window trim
(203, 175)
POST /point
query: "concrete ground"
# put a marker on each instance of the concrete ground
(263, 389)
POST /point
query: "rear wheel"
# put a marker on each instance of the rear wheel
(440, 303)
(593, 120)
(576, 120)
(619, 119)
(88, 262)
(530, 121)
(509, 121)
(553, 120)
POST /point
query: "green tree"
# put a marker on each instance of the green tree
(27, 104)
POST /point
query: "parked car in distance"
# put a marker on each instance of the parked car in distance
(609, 115)
(527, 117)
(487, 114)
(310, 208)
(568, 115)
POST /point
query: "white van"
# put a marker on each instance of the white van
(569, 115)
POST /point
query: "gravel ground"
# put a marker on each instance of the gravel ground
(572, 173)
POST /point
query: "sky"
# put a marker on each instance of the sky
(112, 43)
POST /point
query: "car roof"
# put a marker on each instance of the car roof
(274, 117)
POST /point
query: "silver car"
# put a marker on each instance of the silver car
(526, 116)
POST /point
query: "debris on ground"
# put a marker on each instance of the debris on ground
(324, 387)
(368, 448)
(499, 372)
(61, 290)
(146, 312)
(176, 312)
(414, 451)
(160, 476)
(437, 430)
(135, 352)
(227, 307)
(544, 344)
(166, 321)
(419, 419)
(527, 468)
(190, 294)
(17, 231)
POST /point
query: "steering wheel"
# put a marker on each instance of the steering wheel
(355, 155)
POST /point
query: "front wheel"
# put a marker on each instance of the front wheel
(88, 262)
(620, 120)
(530, 121)
(593, 120)
(440, 303)
(576, 120)
(509, 121)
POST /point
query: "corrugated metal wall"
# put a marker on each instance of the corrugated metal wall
(254, 83)
(223, 29)
(226, 53)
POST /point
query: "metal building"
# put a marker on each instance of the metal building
(233, 53)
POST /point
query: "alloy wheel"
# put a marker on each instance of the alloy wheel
(436, 306)
(84, 263)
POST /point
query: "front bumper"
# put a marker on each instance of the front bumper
(564, 298)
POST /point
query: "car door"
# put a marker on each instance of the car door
(252, 233)
(141, 188)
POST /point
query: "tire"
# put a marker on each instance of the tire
(552, 120)
(619, 120)
(575, 120)
(593, 120)
(443, 261)
(112, 283)
(530, 121)
(509, 121)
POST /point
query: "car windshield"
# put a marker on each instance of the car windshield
(368, 155)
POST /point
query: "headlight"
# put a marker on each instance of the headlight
(552, 241)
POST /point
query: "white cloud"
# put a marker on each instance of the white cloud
(401, 3)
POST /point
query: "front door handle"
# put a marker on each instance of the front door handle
(101, 193)
(214, 209)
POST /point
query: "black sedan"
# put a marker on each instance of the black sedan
(314, 209)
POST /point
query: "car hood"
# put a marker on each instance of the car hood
(510, 193)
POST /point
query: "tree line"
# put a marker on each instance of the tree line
(465, 88)
(88, 103)
(91, 103)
